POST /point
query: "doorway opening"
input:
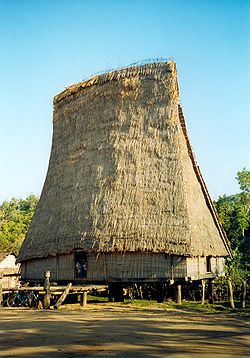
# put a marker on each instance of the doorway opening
(80, 264)
(208, 263)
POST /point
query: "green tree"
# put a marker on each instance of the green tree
(15, 217)
(243, 178)
(234, 214)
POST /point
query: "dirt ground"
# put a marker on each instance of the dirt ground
(113, 331)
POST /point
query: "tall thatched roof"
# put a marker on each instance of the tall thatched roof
(122, 175)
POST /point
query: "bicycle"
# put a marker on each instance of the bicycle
(22, 299)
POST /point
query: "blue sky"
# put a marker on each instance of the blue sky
(48, 45)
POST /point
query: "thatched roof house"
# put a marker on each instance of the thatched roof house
(123, 197)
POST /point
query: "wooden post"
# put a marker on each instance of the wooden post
(1, 293)
(210, 292)
(231, 297)
(179, 295)
(244, 294)
(46, 297)
(172, 290)
(160, 292)
(111, 292)
(115, 292)
(139, 291)
(84, 299)
(63, 296)
(203, 285)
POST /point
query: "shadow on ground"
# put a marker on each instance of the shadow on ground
(120, 333)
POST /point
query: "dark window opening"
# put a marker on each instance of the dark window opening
(208, 263)
(81, 264)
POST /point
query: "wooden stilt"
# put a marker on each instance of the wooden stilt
(160, 293)
(1, 293)
(172, 290)
(210, 292)
(203, 286)
(46, 297)
(84, 299)
(244, 294)
(119, 294)
(231, 297)
(179, 300)
(63, 296)
(111, 293)
(193, 295)
(139, 291)
(115, 292)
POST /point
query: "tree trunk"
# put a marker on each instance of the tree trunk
(231, 297)
(244, 294)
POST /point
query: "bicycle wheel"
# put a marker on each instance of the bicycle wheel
(13, 300)
(31, 299)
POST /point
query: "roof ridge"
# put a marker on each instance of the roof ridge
(113, 75)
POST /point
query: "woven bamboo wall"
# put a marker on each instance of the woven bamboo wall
(34, 269)
(61, 267)
(120, 267)
(136, 266)
(108, 267)
(66, 267)
(197, 267)
(9, 282)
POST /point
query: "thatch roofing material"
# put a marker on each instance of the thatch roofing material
(133, 71)
(2, 256)
(121, 176)
(202, 186)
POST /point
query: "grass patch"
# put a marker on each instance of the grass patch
(97, 299)
(206, 308)
(190, 306)
(186, 306)
(141, 303)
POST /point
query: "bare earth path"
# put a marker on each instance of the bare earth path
(121, 332)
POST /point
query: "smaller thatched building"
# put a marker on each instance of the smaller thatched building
(9, 271)
(124, 199)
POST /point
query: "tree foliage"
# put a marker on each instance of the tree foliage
(243, 178)
(15, 217)
(234, 213)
